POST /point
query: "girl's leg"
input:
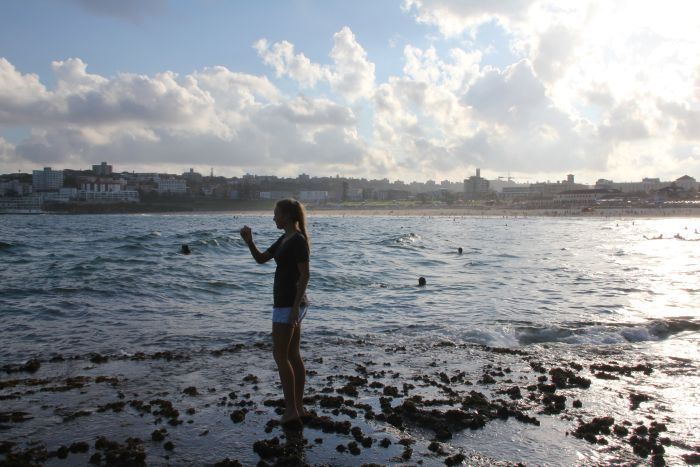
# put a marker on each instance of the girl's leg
(281, 337)
(298, 368)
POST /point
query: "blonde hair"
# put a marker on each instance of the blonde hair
(297, 213)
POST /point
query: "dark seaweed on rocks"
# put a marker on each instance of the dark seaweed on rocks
(31, 366)
(626, 370)
(131, 453)
(597, 426)
(564, 378)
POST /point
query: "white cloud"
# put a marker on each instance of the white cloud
(586, 93)
(454, 17)
(282, 58)
(214, 116)
(351, 76)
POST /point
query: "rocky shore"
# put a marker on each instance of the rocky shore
(421, 404)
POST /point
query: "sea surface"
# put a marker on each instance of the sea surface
(118, 285)
(72, 284)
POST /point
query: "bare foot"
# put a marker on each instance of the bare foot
(289, 417)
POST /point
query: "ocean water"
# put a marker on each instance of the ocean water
(76, 284)
(561, 290)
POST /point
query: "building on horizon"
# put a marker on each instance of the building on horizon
(47, 180)
(649, 185)
(102, 169)
(476, 187)
(315, 196)
(171, 185)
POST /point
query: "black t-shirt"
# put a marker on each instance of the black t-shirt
(287, 256)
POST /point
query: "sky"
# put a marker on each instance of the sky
(406, 89)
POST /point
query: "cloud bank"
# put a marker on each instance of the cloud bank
(586, 93)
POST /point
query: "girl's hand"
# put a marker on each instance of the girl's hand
(246, 234)
(294, 316)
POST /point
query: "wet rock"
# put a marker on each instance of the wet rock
(553, 404)
(130, 453)
(191, 391)
(636, 399)
(99, 359)
(437, 448)
(62, 452)
(230, 349)
(331, 401)
(228, 463)
(354, 448)
(113, 406)
(626, 370)
(251, 379)
(351, 388)
(385, 442)
(577, 404)
(14, 417)
(538, 367)
(168, 446)
(486, 379)
(6, 446)
(80, 446)
(140, 406)
(456, 459)
(564, 378)
(326, 424)
(604, 375)
(442, 423)
(620, 430)
(512, 392)
(597, 426)
(30, 366)
(268, 449)
(237, 416)
(692, 459)
(391, 391)
(341, 448)
(107, 379)
(159, 435)
(166, 410)
(503, 350)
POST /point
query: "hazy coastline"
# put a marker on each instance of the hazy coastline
(262, 208)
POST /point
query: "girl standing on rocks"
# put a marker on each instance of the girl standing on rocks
(291, 253)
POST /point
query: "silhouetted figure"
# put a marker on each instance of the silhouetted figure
(185, 250)
(459, 250)
(291, 253)
(421, 281)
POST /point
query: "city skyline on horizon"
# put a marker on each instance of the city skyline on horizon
(532, 90)
(570, 178)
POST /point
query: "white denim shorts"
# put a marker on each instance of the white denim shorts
(281, 314)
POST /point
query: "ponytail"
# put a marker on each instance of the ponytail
(297, 213)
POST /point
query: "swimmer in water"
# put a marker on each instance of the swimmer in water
(185, 249)
(459, 250)
(421, 281)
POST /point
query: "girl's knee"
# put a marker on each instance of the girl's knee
(280, 355)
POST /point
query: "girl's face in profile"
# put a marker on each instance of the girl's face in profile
(279, 219)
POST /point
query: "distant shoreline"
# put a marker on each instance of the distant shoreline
(410, 211)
